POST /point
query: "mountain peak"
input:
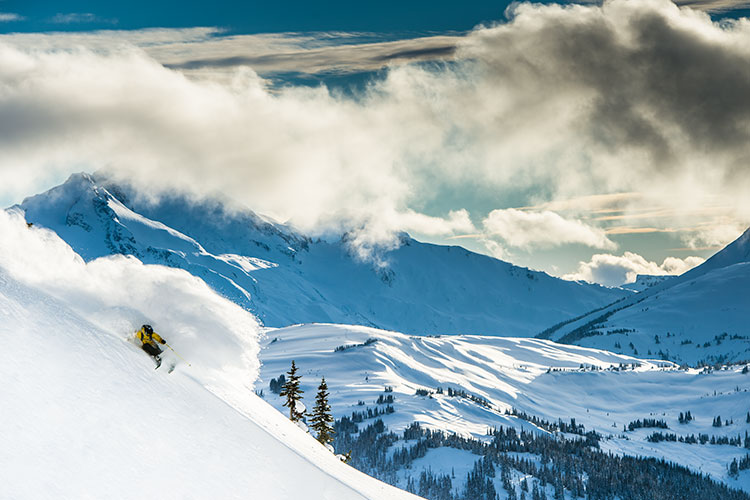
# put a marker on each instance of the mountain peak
(285, 277)
(735, 253)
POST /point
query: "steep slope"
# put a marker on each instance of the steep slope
(735, 253)
(490, 375)
(286, 278)
(698, 317)
(85, 415)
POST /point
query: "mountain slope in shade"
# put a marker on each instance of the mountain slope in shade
(701, 316)
(85, 414)
(286, 278)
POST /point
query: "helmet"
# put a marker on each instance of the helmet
(148, 329)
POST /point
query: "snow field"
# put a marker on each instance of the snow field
(511, 372)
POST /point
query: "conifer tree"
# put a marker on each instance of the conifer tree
(322, 420)
(293, 394)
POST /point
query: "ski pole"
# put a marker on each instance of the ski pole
(186, 361)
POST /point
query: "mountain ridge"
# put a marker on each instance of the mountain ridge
(704, 308)
(286, 278)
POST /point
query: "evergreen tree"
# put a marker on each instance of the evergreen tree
(293, 394)
(734, 468)
(322, 420)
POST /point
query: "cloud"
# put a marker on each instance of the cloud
(79, 18)
(524, 229)
(591, 203)
(715, 234)
(615, 270)
(559, 103)
(495, 249)
(333, 58)
(715, 5)
(6, 17)
(201, 51)
(376, 235)
(323, 161)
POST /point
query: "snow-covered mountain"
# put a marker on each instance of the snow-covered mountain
(85, 415)
(285, 278)
(698, 317)
(467, 384)
(87, 409)
(643, 281)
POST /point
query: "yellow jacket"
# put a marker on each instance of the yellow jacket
(149, 339)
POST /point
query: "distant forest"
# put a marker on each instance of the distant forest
(559, 465)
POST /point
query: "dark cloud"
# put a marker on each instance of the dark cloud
(652, 79)
(716, 5)
(419, 53)
(351, 58)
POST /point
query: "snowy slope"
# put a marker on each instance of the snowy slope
(699, 317)
(704, 320)
(85, 415)
(535, 376)
(736, 252)
(286, 278)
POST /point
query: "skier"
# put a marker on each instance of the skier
(149, 338)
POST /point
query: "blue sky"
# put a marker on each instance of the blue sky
(250, 17)
(386, 16)
(526, 140)
(260, 17)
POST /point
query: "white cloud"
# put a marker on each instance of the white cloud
(6, 17)
(615, 270)
(79, 18)
(524, 229)
(677, 266)
(495, 249)
(375, 235)
(715, 234)
(457, 221)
